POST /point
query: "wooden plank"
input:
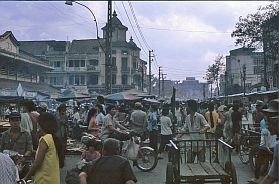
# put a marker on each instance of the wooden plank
(197, 169)
(219, 169)
(186, 171)
(209, 169)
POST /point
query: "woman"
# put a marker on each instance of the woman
(49, 153)
(212, 117)
(93, 127)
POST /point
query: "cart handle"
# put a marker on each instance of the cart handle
(225, 143)
(174, 145)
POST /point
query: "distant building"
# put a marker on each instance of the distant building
(19, 69)
(254, 63)
(193, 89)
(80, 64)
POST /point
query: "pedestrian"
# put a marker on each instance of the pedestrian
(166, 132)
(110, 168)
(227, 132)
(100, 116)
(138, 120)
(152, 128)
(8, 173)
(273, 124)
(48, 157)
(212, 118)
(93, 127)
(197, 126)
(258, 114)
(236, 125)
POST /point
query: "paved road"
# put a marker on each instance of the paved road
(157, 176)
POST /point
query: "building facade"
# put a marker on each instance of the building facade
(80, 64)
(19, 68)
(236, 62)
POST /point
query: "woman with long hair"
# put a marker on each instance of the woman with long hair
(49, 156)
(93, 126)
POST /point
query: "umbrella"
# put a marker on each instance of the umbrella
(151, 100)
(122, 96)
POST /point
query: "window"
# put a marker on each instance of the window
(93, 62)
(76, 63)
(56, 80)
(113, 52)
(71, 79)
(57, 64)
(134, 64)
(82, 63)
(113, 79)
(124, 52)
(113, 61)
(93, 80)
(77, 80)
(124, 63)
(71, 63)
(124, 79)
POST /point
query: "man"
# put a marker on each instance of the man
(16, 138)
(138, 119)
(178, 115)
(109, 127)
(62, 130)
(101, 101)
(110, 168)
(195, 122)
(8, 173)
(258, 114)
(236, 117)
(42, 108)
(272, 114)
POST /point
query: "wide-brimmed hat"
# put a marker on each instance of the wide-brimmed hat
(273, 106)
(259, 103)
(43, 106)
(221, 108)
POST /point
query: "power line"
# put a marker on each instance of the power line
(183, 30)
(137, 24)
(133, 28)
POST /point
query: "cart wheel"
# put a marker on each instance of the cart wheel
(230, 169)
(244, 151)
(170, 174)
(252, 158)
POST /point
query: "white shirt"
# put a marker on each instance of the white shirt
(76, 117)
(7, 170)
(166, 125)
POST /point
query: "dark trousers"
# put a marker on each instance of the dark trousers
(262, 156)
(164, 140)
(153, 138)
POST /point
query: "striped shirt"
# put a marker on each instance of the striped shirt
(7, 170)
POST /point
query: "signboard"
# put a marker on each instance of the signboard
(8, 92)
(27, 94)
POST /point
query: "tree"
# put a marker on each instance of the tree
(213, 72)
(249, 30)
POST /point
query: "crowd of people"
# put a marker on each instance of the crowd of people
(47, 132)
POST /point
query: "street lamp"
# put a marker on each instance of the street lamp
(70, 3)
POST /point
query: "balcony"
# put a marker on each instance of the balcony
(91, 68)
(76, 69)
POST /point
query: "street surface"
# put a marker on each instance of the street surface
(158, 175)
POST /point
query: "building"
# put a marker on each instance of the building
(271, 51)
(235, 64)
(21, 70)
(80, 64)
(193, 89)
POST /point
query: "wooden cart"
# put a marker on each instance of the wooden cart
(215, 167)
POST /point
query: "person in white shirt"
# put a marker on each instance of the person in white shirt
(197, 126)
(8, 173)
(76, 116)
(166, 132)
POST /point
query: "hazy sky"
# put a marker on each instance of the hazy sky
(186, 36)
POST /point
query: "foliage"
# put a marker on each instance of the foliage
(249, 30)
(213, 72)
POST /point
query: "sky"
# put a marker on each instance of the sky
(185, 36)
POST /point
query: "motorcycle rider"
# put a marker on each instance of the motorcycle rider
(16, 138)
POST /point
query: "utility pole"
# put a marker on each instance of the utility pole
(159, 81)
(108, 50)
(226, 87)
(244, 79)
(142, 75)
(150, 60)
(163, 84)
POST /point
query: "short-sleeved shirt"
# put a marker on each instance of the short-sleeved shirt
(49, 172)
(108, 121)
(152, 122)
(21, 144)
(166, 125)
(100, 119)
(110, 169)
(138, 119)
(7, 170)
(273, 171)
